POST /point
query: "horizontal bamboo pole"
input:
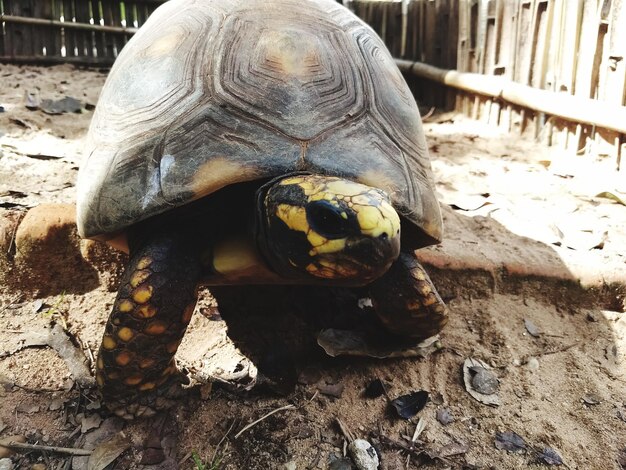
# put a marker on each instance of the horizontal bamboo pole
(57, 59)
(572, 108)
(65, 24)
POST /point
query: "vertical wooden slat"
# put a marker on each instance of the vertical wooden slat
(85, 38)
(69, 35)
(2, 32)
(99, 38)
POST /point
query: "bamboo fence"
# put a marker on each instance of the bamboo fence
(552, 68)
(59, 31)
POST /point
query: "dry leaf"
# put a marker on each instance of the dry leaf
(470, 368)
(108, 451)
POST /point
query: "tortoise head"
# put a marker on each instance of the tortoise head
(321, 228)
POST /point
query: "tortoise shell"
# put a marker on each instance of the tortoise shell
(210, 93)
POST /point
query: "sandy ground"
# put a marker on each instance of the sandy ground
(508, 202)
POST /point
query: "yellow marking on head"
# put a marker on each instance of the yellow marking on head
(100, 363)
(100, 379)
(292, 180)
(133, 379)
(109, 343)
(144, 262)
(315, 239)
(155, 328)
(125, 334)
(344, 215)
(123, 358)
(125, 306)
(293, 216)
(188, 313)
(173, 346)
(147, 386)
(344, 187)
(146, 362)
(142, 294)
(139, 277)
(374, 222)
(329, 246)
(146, 311)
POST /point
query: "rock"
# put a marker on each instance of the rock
(108, 261)
(532, 363)
(47, 258)
(363, 455)
(6, 464)
(289, 466)
(38, 466)
(44, 226)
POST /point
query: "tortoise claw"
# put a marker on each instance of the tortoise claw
(150, 403)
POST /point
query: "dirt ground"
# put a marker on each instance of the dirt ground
(532, 269)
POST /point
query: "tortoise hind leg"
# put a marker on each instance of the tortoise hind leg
(406, 300)
(136, 370)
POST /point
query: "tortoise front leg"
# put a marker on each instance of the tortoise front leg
(136, 369)
(406, 300)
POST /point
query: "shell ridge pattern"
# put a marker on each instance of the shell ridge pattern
(297, 75)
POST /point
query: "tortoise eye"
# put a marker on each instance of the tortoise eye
(326, 219)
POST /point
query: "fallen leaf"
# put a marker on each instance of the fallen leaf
(476, 373)
(454, 448)
(532, 329)
(337, 342)
(510, 441)
(409, 405)
(108, 451)
(549, 456)
(90, 422)
(58, 339)
(611, 195)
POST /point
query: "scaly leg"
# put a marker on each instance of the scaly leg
(406, 301)
(136, 369)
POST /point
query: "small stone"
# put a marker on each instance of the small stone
(6, 464)
(333, 390)
(591, 399)
(444, 416)
(363, 455)
(309, 376)
(532, 363)
(340, 463)
(484, 381)
(591, 318)
(38, 466)
(289, 466)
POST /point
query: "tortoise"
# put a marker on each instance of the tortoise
(252, 142)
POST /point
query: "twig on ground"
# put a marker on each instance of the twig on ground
(282, 408)
(345, 430)
(59, 450)
(217, 447)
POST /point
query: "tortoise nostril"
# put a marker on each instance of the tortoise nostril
(383, 235)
